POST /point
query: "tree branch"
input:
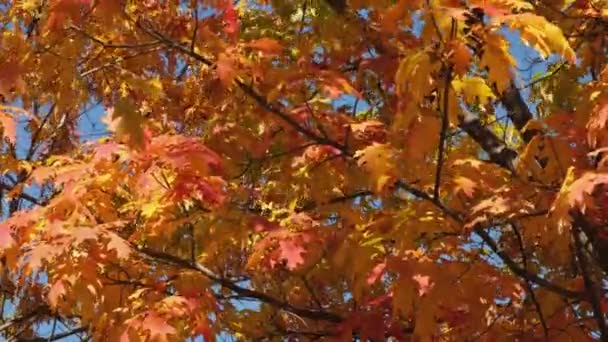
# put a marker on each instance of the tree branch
(480, 231)
(496, 149)
(591, 291)
(41, 310)
(318, 315)
(518, 111)
(54, 337)
(247, 89)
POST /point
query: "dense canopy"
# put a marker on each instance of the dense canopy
(304, 170)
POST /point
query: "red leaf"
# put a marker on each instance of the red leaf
(208, 190)
(424, 284)
(230, 19)
(202, 328)
(376, 273)
(157, 326)
(6, 240)
(291, 251)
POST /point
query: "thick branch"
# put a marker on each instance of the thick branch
(318, 315)
(518, 111)
(480, 231)
(496, 149)
(598, 245)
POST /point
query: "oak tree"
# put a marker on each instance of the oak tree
(363, 170)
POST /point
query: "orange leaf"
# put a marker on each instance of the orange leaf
(225, 70)
(157, 327)
(6, 239)
(56, 292)
(267, 46)
(460, 57)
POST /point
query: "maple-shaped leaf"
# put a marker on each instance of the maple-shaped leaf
(580, 190)
(127, 122)
(377, 159)
(498, 60)
(230, 17)
(292, 251)
(413, 76)
(119, 245)
(282, 247)
(473, 89)
(206, 189)
(424, 283)
(418, 138)
(185, 152)
(544, 36)
(157, 327)
(497, 207)
(465, 186)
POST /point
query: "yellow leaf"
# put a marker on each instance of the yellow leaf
(413, 78)
(378, 161)
(498, 60)
(128, 122)
(155, 88)
(473, 89)
(544, 36)
(29, 5)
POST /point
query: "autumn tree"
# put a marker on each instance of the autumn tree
(363, 170)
